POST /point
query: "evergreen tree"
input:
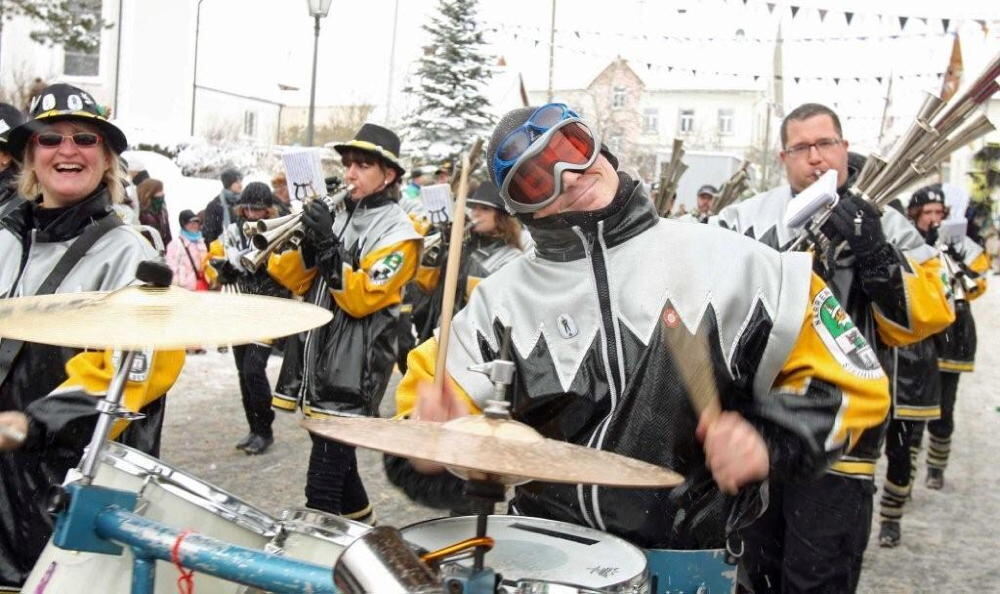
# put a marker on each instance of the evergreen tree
(450, 105)
(73, 24)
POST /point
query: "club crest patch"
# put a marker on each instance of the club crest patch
(386, 268)
(842, 338)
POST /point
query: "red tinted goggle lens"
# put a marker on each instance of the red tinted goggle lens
(534, 178)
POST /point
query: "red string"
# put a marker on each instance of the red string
(185, 583)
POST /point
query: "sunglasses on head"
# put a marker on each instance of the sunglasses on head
(53, 139)
(530, 160)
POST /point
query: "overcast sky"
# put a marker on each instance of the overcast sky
(250, 46)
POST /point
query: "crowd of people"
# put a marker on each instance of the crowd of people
(823, 360)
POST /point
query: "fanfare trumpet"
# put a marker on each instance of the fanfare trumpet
(271, 235)
(433, 242)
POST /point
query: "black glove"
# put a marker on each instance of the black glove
(855, 221)
(930, 235)
(318, 222)
(227, 272)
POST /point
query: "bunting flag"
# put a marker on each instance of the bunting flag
(848, 16)
(770, 8)
(953, 76)
(822, 14)
(945, 23)
(795, 11)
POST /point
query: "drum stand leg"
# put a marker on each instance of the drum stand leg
(485, 495)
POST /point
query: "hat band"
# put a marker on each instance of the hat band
(371, 146)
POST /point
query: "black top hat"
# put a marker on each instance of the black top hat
(60, 102)
(10, 118)
(487, 194)
(375, 139)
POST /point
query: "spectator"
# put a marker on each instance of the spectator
(219, 212)
(279, 189)
(153, 208)
(186, 254)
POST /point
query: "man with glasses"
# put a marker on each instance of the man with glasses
(815, 532)
(592, 312)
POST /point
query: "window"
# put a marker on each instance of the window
(80, 62)
(686, 124)
(249, 123)
(614, 140)
(618, 97)
(725, 121)
(650, 120)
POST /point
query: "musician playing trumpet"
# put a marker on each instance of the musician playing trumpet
(227, 267)
(815, 532)
(354, 262)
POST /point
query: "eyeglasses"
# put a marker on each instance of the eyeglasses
(530, 160)
(823, 145)
(52, 139)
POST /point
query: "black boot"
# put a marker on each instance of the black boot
(889, 534)
(243, 443)
(935, 478)
(258, 445)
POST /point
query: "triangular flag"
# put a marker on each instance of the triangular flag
(755, 77)
(670, 68)
(879, 79)
(770, 8)
(857, 80)
(694, 72)
(836, 81)
(648, 66)
(902, 22)
(848, 16)
(795, 11)
(945, 23)
(924, 21)
(577, 33)
(822, 14)
(796, 80)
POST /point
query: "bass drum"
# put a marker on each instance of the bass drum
(166, 495)
(314, 536)
(538, 555)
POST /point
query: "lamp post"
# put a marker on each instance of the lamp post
(194, 75)
(317, 9)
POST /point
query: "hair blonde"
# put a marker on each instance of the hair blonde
(114, 176)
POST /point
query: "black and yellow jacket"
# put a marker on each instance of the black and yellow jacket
(232, 244)
(956, 346)
(344, 366)
(896, 298)
(58, 387)
(590, 308)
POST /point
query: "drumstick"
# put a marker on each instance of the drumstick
(693, 362)
(451, 273)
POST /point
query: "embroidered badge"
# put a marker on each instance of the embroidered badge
(567, 326)
(140, 364)
(670, 318)
(842, 338)
(386, 268)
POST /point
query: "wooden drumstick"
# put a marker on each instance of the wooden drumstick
(451, 272)
(693, 362)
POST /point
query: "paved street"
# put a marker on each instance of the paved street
(949, 541)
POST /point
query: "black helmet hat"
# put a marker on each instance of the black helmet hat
(256, 195)
(932, 194)
(487, 194)
(10, 118)
(375, 139)
(62, 102)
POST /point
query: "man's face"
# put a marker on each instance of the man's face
(704, 203)
(583, 191)
(813, 147)
(931, 215)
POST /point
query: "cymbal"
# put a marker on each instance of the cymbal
(494, 449)
(143, 316)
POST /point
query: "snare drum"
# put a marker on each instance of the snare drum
(166, 495)
(314, 536)
(535, 555)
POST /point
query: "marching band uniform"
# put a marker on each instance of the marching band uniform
(58, 387)
(894, 294)
(358, 272)
(251, 359)
(589, 311)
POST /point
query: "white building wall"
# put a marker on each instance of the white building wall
(705, 134)
(225, 113)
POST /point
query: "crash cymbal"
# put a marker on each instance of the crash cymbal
(490, 449)
(144, 316)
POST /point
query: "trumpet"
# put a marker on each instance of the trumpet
(272, 235)
(732, 190)
(433, 242)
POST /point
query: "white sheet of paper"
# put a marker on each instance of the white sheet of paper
(438, 202)
(304, 171)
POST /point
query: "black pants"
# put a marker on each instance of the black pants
(251, 362)
(943, 428)
(333, 484)
(811, 538)
(900, 455)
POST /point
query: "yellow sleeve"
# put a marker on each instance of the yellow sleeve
(420, 223)
(980, 264)
(470, 285)
(830, 352)
(928, 309)
(215, 250)
(427, 278)
(153, 373)
(420, 369)
(289, 270)
(379, 282)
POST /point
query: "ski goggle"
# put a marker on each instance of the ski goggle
(530, 160)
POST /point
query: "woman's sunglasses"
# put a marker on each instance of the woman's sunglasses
(52, 139)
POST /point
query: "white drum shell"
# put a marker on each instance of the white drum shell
(540, 550)
(217, 514)
(314, 536)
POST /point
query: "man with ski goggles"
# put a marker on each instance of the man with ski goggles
(591, 313)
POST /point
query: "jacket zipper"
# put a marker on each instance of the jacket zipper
(611, 354)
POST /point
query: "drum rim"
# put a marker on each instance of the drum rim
(312, 522)
(636, 583)
(243, 514)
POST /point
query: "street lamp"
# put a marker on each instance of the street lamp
(317, 9)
